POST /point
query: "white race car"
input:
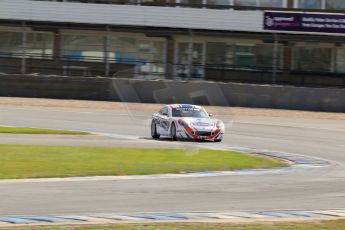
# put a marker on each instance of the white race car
(186, 122)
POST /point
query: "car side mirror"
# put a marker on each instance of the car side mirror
(210, 115)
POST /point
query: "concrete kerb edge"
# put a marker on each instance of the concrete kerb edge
(234, 220)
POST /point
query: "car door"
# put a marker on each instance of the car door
(163, 121)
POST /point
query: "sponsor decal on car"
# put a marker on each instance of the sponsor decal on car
(200, 123)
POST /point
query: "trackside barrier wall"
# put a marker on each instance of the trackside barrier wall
(165, 91)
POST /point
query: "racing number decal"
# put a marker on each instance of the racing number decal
(163, 119)
(165, 124)
(162, 123)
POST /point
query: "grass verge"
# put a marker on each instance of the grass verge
(19, 130)
(324, 225)
(38, 161)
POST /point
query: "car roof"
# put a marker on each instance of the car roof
(184, 106)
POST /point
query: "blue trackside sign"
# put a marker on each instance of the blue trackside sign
(304, 22)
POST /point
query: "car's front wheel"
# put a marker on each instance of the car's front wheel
(173, 132)
(154, 133)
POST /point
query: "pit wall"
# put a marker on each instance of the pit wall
(165, 91)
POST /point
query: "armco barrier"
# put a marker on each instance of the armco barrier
(165, 91)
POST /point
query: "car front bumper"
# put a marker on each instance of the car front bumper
(202, 135)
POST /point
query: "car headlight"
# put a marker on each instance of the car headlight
(220, 125)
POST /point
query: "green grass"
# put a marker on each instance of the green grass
(324, 225)
(37, 161)
(19, 130)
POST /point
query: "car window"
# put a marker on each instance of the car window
(189, 112)
(164, 111)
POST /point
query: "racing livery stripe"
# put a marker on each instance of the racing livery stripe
(215, 134)
(189, 131)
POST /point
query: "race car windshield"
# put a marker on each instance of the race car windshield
(181, 112)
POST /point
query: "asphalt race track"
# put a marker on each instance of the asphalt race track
(303, 189)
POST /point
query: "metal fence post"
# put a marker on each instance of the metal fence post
(24, 44)
(106, 52)
(190, 54)
(275, 59)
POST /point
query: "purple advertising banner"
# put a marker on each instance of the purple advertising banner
(304, 22)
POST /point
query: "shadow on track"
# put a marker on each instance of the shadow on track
(168, 139)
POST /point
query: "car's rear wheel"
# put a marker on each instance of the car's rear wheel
(218, 140)
(173, 132)
(154, 133)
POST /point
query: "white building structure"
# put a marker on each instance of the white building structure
(184, 39)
